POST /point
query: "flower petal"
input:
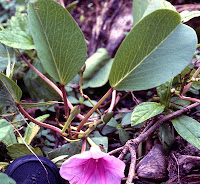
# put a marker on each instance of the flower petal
(114, 165)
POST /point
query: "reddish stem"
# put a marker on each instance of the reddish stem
(51, 127)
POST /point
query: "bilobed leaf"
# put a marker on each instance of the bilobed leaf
(17, 34)
(156, 50)
(59, 42)
(32, 129)
(188, 128)
(145, 111)
(9, 91)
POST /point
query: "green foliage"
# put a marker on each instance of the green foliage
(164, 92)
(35, 85)
(5, 128)
(102, 142)
(145, 111)
(67, 149)
(97, 69)
(4, 178)
(17, 33)
(188, 128)
(7, 135)
(149, 48)
(18, 150)
(59, 42)
(9, 92)
(32, 129)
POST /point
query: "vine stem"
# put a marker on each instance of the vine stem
(51, 127)
(65, 101)
(109, 92)
(51, 84)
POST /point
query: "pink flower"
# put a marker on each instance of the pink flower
(93, 167)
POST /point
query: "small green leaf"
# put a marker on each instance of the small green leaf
(188, 128)
(4, 178)
(156, 50)
(5, 128)
(110, 127)
(59, 42)
(17, 35)
(123, 136)
(32, 129)
(18, 150)
(145, 111)
(126, 120)
(164, 92)
(97, 69)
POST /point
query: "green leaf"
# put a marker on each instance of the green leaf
(188, 128)
(143, 8)
(9, 91)
(102, 142)
(164, 92)
(5, 128)
(18, 150)
(187, 15)
(4, 178)
(145, 111)
(126, 120)
(9, 137)
(59, 42)
(32, 129)
(156, 50)
(97, 69)
(69, 149)
(123, 136)
(17, 35)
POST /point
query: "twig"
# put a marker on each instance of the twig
(135, 142)
(131, 173)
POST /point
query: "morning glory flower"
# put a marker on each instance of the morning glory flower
(93, 167)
